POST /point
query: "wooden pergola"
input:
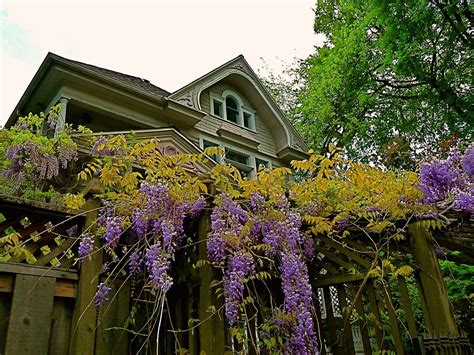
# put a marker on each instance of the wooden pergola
(45, 307)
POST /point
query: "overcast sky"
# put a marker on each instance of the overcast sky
(169, 42)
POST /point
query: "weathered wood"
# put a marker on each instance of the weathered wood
(335, 258)
(362, 322)
(348, 340)
(410, 317)
(5, 305)
(438, 306)
(348, 253)
(333, 339)
(60, 326)
(43, 260)
(84, 314)
(394, 329)
(30, 315)
(326, 265)
(212, 331)
(374, 309)
(16, 268)
(319, 325)
(62, 288)
(424, 308)
(336, 279)
(114, 315)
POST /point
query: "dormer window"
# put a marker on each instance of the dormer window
(229, 106)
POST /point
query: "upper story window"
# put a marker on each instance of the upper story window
(229, 106)
(232, 109)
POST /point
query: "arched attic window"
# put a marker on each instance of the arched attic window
(230, 107)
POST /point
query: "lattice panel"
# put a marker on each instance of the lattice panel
(37, 237)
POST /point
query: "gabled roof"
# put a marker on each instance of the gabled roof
(189, 95)
(126, 82)
(130, 80)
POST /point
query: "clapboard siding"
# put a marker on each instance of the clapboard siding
(211, 124)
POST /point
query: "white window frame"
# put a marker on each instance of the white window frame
(251, 113)
(219, 99)
(241, 108)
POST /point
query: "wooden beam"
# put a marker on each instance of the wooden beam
(113, 315)
(212, 331)
(343, 250)
(362, 322)
(374, 309)
(30, 315)
(332, 256)
(84, 315)
(348, 340)
(394, 329)
(16, 268)
(336, 279)
(437, 302)
(410, 317)
(62, 288)
(333, 339)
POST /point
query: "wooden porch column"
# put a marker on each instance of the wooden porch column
(437, 303)
(212, 330)
(61, 122)
(83, 326)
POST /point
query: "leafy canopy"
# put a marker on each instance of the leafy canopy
(391, 83)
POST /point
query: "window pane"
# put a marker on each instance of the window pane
(207, 144)
(218, 108)
(248, 120)
(259, 162)
(231, 103)
(239, 158)
(232, 109)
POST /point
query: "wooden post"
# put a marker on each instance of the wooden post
(437, 302)
(333, 340)
(212, 330)
(30, 315)
(83, 324)
(114, 315)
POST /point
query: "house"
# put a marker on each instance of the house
(227, 107)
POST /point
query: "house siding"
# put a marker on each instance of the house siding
(211, 124)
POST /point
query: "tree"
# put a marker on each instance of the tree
(392, 81)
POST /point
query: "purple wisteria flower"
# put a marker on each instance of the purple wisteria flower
(227, 219)
(256, 202)
(240, 265)
(101, 295)
(158, 263)
(114, 229)
(86, 246)
(467, 162)
(342, 225)
(298, 302)
(439, 178)
(71, 232)
(198, 207)
(135, 263)
(465, 201)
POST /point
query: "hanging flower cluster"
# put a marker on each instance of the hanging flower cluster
(450, 180)
(267, 224)
(277, 227)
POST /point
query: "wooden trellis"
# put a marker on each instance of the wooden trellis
(351, 300)
(45, 306)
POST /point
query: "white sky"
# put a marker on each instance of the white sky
(167, 42)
